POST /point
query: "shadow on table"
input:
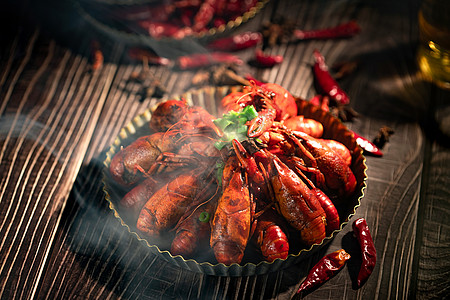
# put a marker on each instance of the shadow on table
(395, 92)
(102, 257)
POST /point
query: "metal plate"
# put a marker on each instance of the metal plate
(209, 98)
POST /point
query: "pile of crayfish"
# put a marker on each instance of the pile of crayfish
(261, 175)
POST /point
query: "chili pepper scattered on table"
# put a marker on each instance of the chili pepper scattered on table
(198, 60)
(344, 30)
(369, 255)
(96, 56)
(367, 145)
(326, 81)
(236, 42)
(265, 60)
(325, 269)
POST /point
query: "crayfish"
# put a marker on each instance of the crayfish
(274, 181)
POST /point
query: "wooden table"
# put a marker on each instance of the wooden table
(59, 240)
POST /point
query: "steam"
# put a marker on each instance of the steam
(22, 126)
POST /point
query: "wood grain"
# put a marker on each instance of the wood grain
(434, 249)
(45, 134)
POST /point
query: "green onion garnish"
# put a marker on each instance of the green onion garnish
(204, 217)
(233, 125)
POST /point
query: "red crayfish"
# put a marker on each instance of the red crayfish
(280, 180)
(177, 126)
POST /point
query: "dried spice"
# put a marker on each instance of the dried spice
(265, 60)
(325, 269)
(368, 251)
(343, 69)
(96, 56)
(202, 77)
(277, 32)
(383, 136)
(223, 74)
(367, 145)
(344, 113)
(150, 85)
(326, 82)
(236, 42)
(155, 90)
(344, 30)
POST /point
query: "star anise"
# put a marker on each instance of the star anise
(344, 113)
(383, 136)
(277, 32)
(150, 85)
(218, 75)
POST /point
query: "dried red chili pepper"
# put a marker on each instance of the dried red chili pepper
(236, 42)
(348, 29)
(369, 254)
(325, 269)
(326, 81)
(97, 56)
(206, 59)
(236, 7)
(204, 16)
(264, 60)
(367, 145)
(159, 29)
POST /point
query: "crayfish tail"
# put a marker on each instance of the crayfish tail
(184, 244)
(274, 244)
(228, 252)
(146, 223)
(314, 231)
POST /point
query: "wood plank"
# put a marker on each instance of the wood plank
(433, 246)
(48, 116)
